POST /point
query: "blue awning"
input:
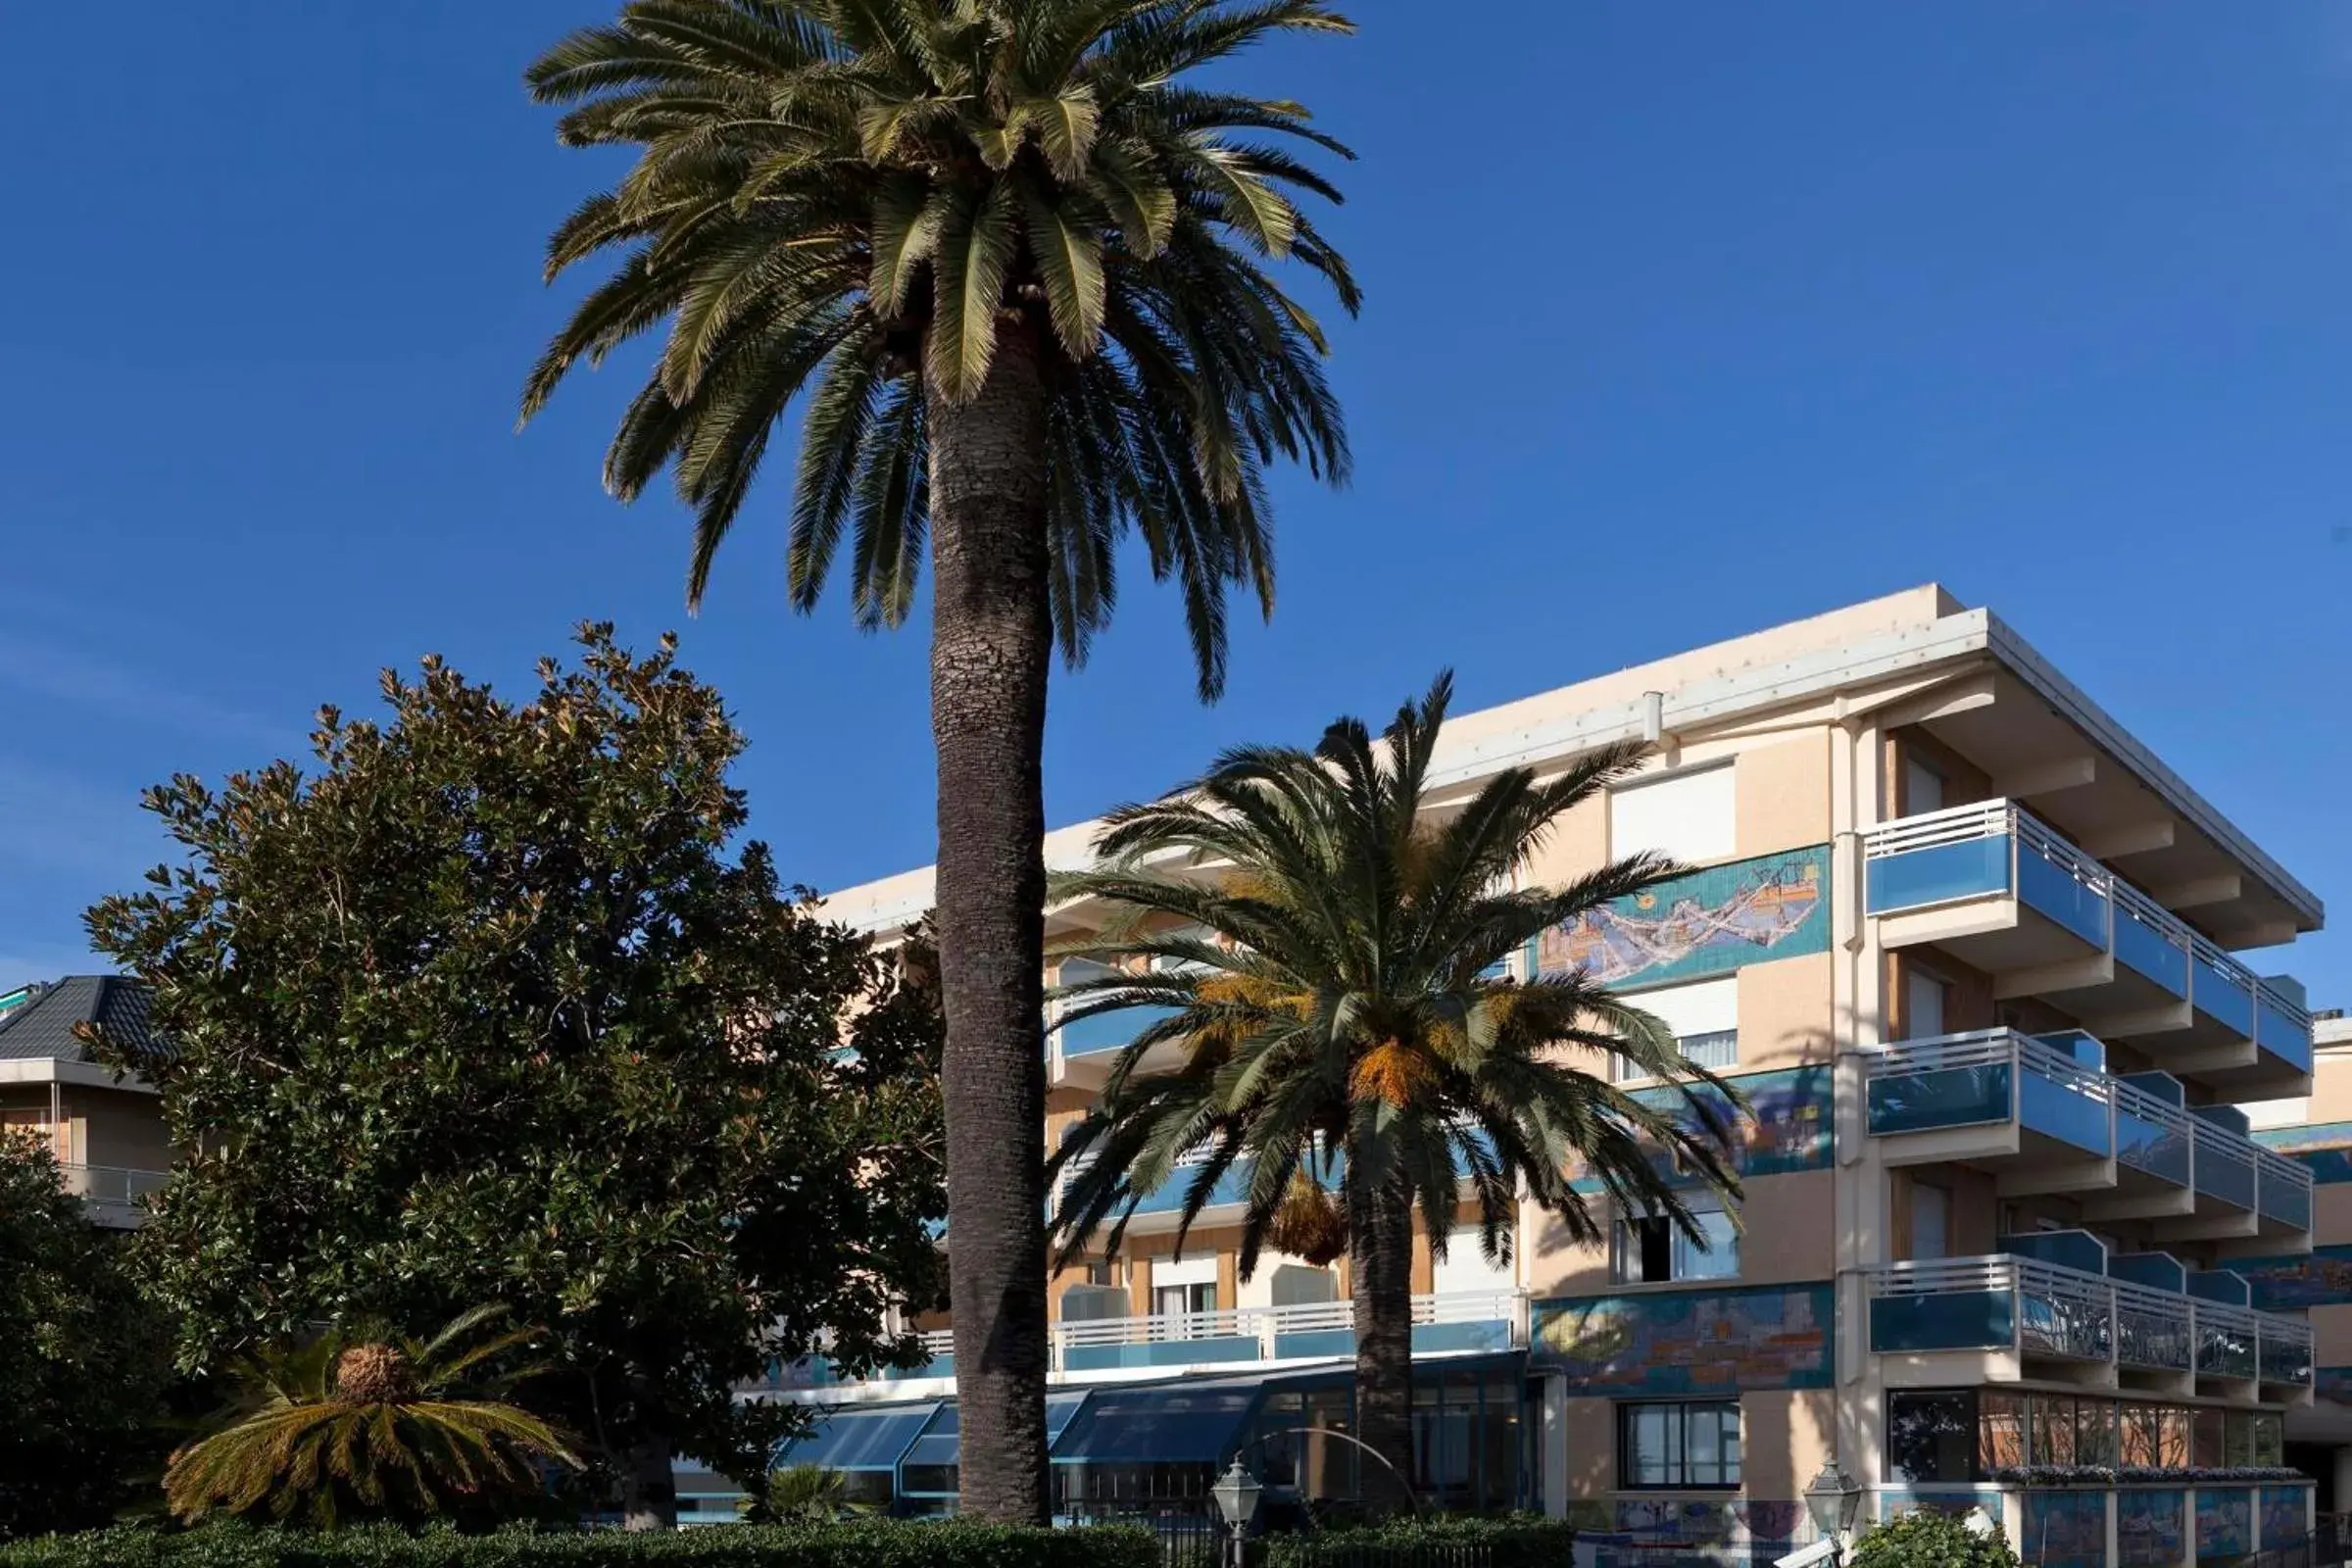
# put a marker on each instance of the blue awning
(1163, 1423)
(939, 1444)
(855, 1439)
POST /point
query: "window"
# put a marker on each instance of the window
(1924, 997)
(1651, 1250)
(1930, 1221)
(1176, 1300)
(1679, 1445)
(1703, 1017)
(1932, 1437)
(1685, 817)
(1923, 788)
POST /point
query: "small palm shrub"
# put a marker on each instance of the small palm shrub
(798, 1493)
(1927, 1539)
(375, 1425)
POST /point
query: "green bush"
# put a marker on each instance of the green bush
(1508, 1541)
(874, 1544)
(1925, 1539)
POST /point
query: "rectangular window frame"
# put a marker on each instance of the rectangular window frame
(1703, 1442)
(1631, 1240)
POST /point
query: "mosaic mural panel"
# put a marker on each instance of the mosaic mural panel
(2285, 1516)
(1708, 922)
(1788, 1126)
(2326, 1148)
(2321, 1277)
(2225, 1522)
(1690, 1341)
(1895, 1501)
(2151, 1526)
(1651, 1530)
(2063, 1529)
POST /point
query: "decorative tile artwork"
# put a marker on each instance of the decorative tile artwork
(2224, 1521)
(1708, 922)
(1690, 1341)
(2326, 1148)
(1786, 1128)
(2151, 1526)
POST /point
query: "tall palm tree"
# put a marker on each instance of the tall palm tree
(1327, 941)
(374, 1424)
(1017, 265)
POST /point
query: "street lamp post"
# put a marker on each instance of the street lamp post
(1833, 1498)
(1236, 1496)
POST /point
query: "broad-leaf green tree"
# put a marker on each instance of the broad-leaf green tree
(365, 1423)
(1013, 264)
(83, 1362)
(491, 1003)
(1328, 941)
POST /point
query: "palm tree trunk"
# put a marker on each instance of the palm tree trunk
(1379, 1270)
(991, 642)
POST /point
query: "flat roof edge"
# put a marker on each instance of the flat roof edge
(2071, 700)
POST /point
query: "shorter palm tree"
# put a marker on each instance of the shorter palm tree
(1329, 945)
(372, 1424)
(798, 1493)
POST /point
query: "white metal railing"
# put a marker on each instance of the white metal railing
(2113, 1319)
(2200, 1139)
(938, 1343)
(1268, 1326)
(1984, 819)
(110, 1183)
(1933, 830)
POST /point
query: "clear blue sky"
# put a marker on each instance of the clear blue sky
(1684, 320)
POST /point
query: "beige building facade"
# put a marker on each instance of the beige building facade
(1970, 951)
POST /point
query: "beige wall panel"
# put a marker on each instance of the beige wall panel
(1783, 795)
(1784, 1012)
(1786, 1435)
(1590, 1438)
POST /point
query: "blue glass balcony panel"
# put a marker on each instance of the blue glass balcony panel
(2150, 1336)
(2222, 998)
(2149, 953)
(2281, 1197)
(2153, 1147)
(1963, 1320)
(1162, 1352)
(2281, 1036)
(2076, 1249)
(1950, 1097)
(1319, 1342)
(2218, 1176)
(2283, 1359)
(1939, 875)
(1109, 1031)
(2060, 1326)
(2065, 1112)
(2059, 894)
(2223, 1353)
(1232, 1188)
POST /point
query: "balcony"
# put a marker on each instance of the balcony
(2001, 889)
(2044, 1320)
(1458, 1323)
(1472, 1321)
(111, 1196)
(1080, 1050)
(815, 1372)
(2039, 1115)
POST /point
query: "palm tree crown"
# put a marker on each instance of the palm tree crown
(372, 1423)
(861, 199)
(1329, 945)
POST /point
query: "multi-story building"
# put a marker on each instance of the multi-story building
(1967, 945)
(2317, 1130)
(106, 1129)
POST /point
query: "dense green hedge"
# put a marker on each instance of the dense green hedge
(875, 1545)
(1509, 1541)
